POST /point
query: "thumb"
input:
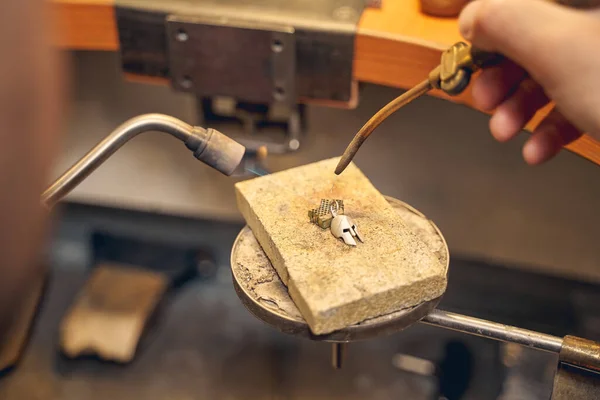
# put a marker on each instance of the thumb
(528, 32)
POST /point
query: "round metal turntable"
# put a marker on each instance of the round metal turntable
(266, 297)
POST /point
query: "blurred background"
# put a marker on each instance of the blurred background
(523, 243)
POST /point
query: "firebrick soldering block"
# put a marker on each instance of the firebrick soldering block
(335, 285)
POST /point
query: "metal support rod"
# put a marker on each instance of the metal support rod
(209, 146)
(338, 353)
(494, 330)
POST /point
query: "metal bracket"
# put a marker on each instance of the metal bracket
(276, 128)
(251, 62)
(578, 373)
(259, 51)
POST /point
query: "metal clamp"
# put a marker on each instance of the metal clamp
(457, 64)
(260, 51)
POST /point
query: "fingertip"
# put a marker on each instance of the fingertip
(502, 125)
(540, 148)
(531, 152)
(554, 132)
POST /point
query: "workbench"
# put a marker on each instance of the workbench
(395, 45)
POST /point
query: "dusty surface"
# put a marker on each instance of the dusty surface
(258, 277)
(332, 284)
(255, 273)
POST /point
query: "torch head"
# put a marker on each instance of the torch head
(217, 150)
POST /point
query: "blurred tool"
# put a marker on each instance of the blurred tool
(208, 145)
(452, 76)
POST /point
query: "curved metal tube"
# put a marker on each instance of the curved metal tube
(209, 146)
(377, 120)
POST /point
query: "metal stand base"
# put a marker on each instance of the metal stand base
(578, 373)
(266, 297)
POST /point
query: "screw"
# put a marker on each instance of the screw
(277, 46)
(182, 36)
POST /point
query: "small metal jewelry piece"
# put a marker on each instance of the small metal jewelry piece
(322, 215)
(343, 227)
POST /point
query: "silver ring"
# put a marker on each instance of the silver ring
(334, 213)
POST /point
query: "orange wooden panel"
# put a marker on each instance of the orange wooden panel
(587, 147)
(397, 45)
(85, 24)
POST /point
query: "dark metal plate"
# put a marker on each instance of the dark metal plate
(248, 61)
(323, 34)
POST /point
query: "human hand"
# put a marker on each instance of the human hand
(553, 55)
